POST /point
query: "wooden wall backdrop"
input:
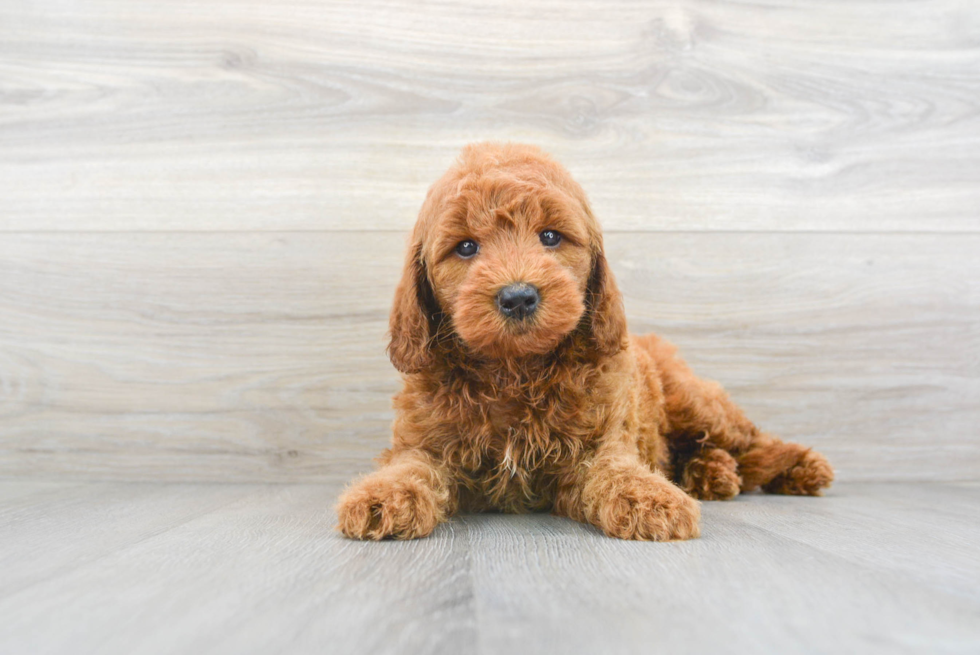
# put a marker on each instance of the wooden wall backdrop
(203, 207)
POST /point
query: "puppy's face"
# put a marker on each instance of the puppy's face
(510, 268)
(507, 255)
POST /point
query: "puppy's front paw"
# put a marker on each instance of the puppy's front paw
(378, 507)
(650, 511)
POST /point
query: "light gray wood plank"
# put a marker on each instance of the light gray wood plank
(265, 573)
(261, 356)
(100, 518)
(838, 342)
(782, 115)
(737, 589)
(167, 356)
(16, 489)
(896, 529)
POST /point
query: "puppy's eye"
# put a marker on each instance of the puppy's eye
(467, 248)
(550, 238)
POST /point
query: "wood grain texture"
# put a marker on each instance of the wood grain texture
(202, 210)
(260, 356)
(219, 568)
(298, 115)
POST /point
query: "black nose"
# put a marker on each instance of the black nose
(518, 301)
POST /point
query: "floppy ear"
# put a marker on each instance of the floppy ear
(605, 306)
(414, 316)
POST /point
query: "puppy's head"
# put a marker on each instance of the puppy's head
(506, 261)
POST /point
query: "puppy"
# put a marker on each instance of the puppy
(523, 390)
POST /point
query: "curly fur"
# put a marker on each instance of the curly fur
(566, 412)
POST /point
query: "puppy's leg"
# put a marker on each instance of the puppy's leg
(725, 437)
(625, 499)
(714, 434)
(783, 468)
(704, 419)
(405, 499)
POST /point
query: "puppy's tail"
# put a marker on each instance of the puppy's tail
(783, 468)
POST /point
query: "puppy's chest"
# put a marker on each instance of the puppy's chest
(527, 438)
(507, 416)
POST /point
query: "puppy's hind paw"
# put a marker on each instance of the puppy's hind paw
(712, 475)
(809, 477)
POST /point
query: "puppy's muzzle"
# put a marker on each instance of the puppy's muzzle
(518, 301)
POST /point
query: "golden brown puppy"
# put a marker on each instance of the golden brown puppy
(525, 392)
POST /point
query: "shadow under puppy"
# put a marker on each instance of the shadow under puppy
(523, 390)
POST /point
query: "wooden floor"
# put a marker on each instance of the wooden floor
(256, 568)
